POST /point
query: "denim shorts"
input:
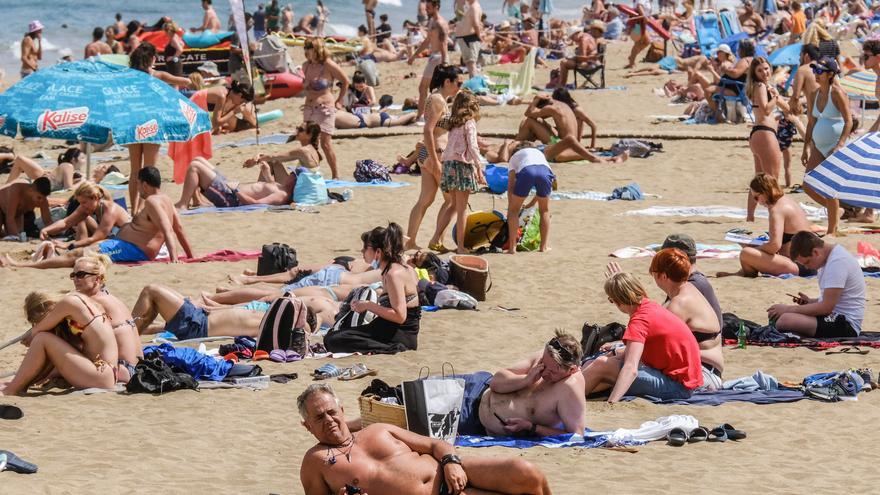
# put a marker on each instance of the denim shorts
(652, 382)
(190, 322)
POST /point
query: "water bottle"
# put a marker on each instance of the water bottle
(741, 336)
(22, 237)
(347, 194)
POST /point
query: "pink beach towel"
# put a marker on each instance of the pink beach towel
(222, 255)
(184, 153)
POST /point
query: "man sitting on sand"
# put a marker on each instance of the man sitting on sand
(17, 203)
(686, 244)
(141, 240)
(564, 144)
(383, 458)
(840, 308)
(205, 177)
(537, 397)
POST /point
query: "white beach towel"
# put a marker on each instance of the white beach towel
(813, 212)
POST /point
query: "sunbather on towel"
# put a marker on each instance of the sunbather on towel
(324, 302)
(205, 177)
(840, 308)
(539, 396)
(384, 458)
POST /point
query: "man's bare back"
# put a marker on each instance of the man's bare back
(144, 231)
(211, 21)
(564, 118)
(97, 48)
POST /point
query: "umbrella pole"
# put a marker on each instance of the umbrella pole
(88, 160)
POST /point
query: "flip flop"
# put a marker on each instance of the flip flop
(326, 371)
(278, 356)
(17, 464)
(283, 377)
(699, 434)
(231, 357)
(260, 356)
(359, 370)
(733, 433)
(676, 437)
(718, 434)
(438, 247)
(292, 356)
(10, 412)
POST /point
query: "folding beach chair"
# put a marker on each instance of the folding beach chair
(708, 32)
(729, 23)
(590, 71)
(740, 97)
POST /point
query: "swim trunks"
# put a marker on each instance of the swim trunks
(475, 385)
(220, 194)
(189, 322)
(537, 177)
(433, 61)
(121, 251)
(470, 48)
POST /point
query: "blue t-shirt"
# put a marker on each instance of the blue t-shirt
(614, 29)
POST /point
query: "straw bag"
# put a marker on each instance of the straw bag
(375, 411)
(471, 275)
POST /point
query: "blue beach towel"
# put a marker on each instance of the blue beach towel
(331, 184)
(723, 396)
(234, 209)
(589, 440)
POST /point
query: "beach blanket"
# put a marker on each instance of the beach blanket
(704, 251)
(589, 440)
(222, 255)
(813, 212)
(270, 139)
(866, 339)
(786, 276)
(723, 396)
(232, 209)
(373, 183)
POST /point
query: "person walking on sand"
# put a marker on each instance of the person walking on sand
(438, 32)
(31, 49)
(320, 72)
(467, 34)
(210, 22)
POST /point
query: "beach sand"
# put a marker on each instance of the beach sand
(237, 441)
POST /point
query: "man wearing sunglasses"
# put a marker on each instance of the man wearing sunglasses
(543, 395)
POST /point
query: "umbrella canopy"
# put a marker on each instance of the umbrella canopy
(852, 174)
(90, 100)
(860, 85)
(789, 55)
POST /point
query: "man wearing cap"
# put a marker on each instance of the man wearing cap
(586, 50)
(686, 244)
(208, 69)
(540, 396)
(31, 49)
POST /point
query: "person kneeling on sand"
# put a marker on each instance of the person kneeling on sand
(840, 308)
(205, 177)
(537, 397)
(383, 458)
(140, 240)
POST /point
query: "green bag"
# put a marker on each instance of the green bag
(531, 237)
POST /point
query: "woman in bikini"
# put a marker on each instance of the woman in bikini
(233, 108)
(762, 140)
(141, 155)
(319, 73)
(358, 112)
(64, 176)
(395, 327)
(95, 218)
(786, 219)
(85, 354)
(445, 83)
(272, 168)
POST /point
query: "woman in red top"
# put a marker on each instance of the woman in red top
(661, 358)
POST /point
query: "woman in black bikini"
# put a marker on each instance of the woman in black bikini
(763, 140)
(396, 325)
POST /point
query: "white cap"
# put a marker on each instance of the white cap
(725, 48)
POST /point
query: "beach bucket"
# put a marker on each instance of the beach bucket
(375, 411)
(471, 275)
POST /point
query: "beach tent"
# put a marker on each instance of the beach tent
(852, 174)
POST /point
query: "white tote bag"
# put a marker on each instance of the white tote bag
(433, 405)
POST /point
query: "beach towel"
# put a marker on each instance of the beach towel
(270, 139)
(719, 397)
(200, 146)
(704, 251)
(222, 255)
(331, 184)
(231, 209)
(589, 440)
(786, 276)
(866, 339)
(813, 212)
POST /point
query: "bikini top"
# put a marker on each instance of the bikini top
(76, 328)
(320, 84)
(829, 112)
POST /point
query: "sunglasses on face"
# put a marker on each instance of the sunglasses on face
(819, 71)
(80, 275)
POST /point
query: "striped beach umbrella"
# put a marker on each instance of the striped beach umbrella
(852, 174)
(859, 86)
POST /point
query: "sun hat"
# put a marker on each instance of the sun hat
(724, 48)
(683, 243)
(34, 26)
(209, 68)
(598, 25)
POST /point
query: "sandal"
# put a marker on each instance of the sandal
(732, 433)
(718, 434)
(326, 371)
(676, 437)
(699, 434)
(438, 247)
(10, 412)
(359, 370)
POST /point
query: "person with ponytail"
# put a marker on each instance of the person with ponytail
(272, 168)
(395, 327)
(64, 176)
(95, 217)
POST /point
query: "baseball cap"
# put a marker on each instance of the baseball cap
(827, 64)
(684, 243)
(725, 48)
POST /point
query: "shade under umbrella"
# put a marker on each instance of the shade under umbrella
(852, 174)
(91, 100)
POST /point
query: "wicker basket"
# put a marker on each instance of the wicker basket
(375, 411)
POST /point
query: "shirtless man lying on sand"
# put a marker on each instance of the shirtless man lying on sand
(141, 240)
(201, 175)
(384, 458)
(564, 145)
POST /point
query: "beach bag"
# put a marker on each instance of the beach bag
(347, 317)
(370, 71)
(284, 326)
(481, 228)
(593, 336)
(369, 171)
(531, 234)
(155, 376)
(655, 52)
(471, 275)
(454, 299)
(310, 189)
(496, 178)
(433, 405)
(271, 55)
(276, 258)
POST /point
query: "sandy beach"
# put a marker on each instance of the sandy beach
(237, 441)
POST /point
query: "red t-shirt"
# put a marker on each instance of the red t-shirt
(670, 345)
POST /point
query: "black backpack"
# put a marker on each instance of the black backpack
(276, 258)
(154, 376)
(280, 328)
(593, 336)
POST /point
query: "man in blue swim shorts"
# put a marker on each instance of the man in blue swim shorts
(528, 170)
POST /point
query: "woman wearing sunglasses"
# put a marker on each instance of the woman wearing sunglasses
(763, 140)
(786, 219)
(829, 127)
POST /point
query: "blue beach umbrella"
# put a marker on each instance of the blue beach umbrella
(852, 174)
(787, 55)
(91, 100)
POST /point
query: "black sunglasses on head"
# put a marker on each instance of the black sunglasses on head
(564, 353)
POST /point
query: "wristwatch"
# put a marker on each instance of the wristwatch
(71, 246)
(449, 459)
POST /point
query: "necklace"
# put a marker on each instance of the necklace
(331, 450)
